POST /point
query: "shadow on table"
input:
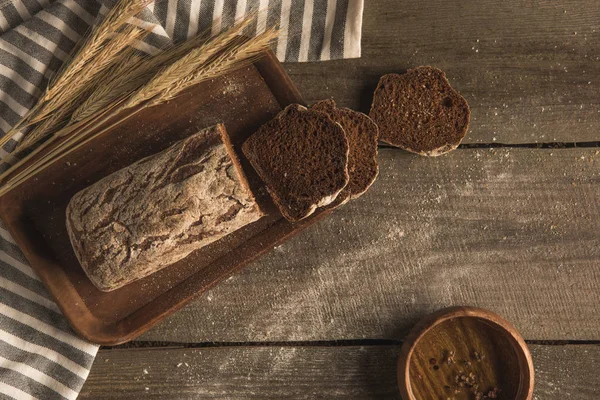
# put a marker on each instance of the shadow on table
(377, 369)
(378, 362)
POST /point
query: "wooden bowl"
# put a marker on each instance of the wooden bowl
(462, 353)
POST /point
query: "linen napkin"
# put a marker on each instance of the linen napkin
(40, 356)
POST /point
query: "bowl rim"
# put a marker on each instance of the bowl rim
(525, 362)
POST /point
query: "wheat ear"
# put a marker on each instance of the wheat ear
(186, 65)
(230, 54)
(66, 78)
(57, 113)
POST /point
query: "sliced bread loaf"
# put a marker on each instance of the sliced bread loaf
(420, 112)
(302, 156)
(362, 134)
(158, 210)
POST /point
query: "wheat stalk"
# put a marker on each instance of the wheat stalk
(67, 78)
(186, 65)
(116, 85)
(42, 130)
(132, 75)
(67, 102)
(28, 172)
(188, 56)
(89, 72)
(236, 57)
(179, 68)
(93, 45)
(233, 58)
(57, 113)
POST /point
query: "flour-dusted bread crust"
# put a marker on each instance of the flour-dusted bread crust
(362, 134)
(302, 156)
(158, 210)
(420, 112)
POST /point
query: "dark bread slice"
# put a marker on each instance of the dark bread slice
(420, 112)
(302, 156)
(362, 134)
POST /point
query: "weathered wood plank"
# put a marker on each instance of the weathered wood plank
(513, 230)
(303, 373)
(530, 70)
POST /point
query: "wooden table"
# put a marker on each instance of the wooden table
(509, 222)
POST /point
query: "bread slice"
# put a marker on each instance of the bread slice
(420, 112)
(362, 134)
(302, 156)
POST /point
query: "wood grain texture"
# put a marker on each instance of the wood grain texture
(514, 231)
(303, 373)
(529, 70)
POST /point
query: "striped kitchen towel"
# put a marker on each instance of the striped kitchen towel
(40, 357)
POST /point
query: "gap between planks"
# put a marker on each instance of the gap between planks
(541, 146)
(317, 343)
(363, 372)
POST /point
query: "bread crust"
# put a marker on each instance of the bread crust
(158, 210)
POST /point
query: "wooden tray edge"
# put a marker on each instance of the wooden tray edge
(132, 326)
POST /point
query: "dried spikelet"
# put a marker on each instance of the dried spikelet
(67, 77)
(235, 57)
(93, 45)
(132, 75)
(227, 52)
(89, 72)
(186, 65)
(56, 113)
(116, 85)
(41, 131)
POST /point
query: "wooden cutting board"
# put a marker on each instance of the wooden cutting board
(35, 211)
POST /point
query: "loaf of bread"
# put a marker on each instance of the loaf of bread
(420, 112)
(158, 210)
(302, 156)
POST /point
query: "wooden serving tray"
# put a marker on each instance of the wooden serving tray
(35, 211)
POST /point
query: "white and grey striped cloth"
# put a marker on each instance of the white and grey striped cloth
(40, 356)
